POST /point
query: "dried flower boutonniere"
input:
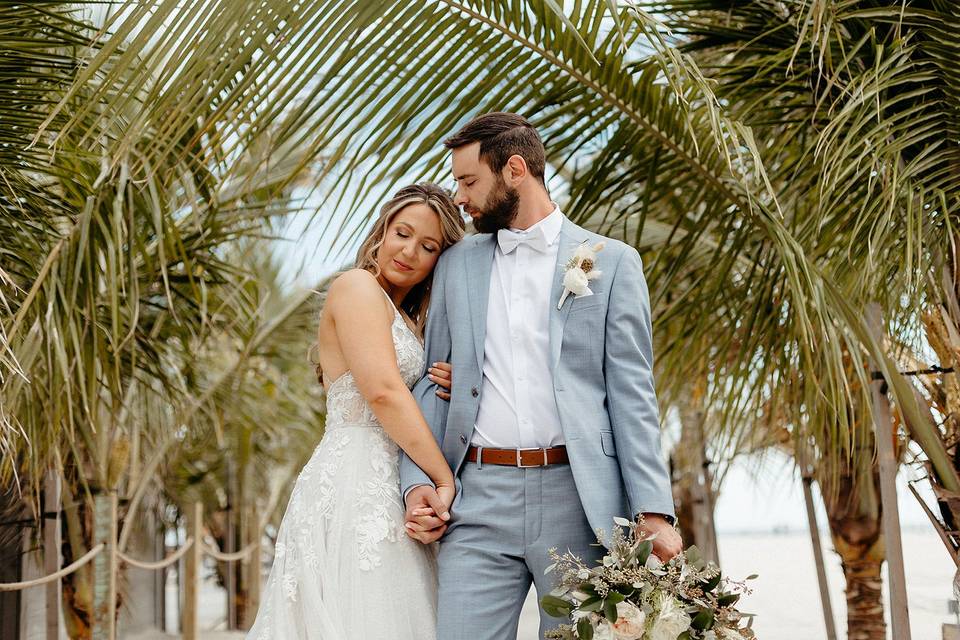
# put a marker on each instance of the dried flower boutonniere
(580, 271)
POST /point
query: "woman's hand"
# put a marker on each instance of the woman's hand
(441, 373)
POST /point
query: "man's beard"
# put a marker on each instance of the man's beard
(501, 210)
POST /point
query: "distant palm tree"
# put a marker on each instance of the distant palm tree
(261, 421)
(118, 277)
(859, 104)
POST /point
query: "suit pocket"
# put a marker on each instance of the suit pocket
(589, 302)
(609, 446)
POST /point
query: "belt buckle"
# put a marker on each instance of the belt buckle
(528, 466)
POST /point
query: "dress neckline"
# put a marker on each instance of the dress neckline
(396, 311)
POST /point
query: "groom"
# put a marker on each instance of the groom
(552, 425)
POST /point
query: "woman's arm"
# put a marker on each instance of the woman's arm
(359, 311)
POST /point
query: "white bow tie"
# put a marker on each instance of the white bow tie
(510, 240)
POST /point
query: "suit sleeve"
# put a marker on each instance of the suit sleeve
(437, 348)
(631, 397)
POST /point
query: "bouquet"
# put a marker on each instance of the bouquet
(631, 595)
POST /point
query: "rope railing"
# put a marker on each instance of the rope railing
(229, 557)
(106, 569)
(159, 564)
(87, 557)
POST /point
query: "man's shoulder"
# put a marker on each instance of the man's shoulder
(613, 249)
(464, 245)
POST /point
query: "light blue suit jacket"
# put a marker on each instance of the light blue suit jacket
(602, 360)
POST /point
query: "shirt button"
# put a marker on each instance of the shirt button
(474, 392)
(463, 438)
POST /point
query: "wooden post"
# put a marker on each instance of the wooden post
(160, 577)
(105, 567)
(883, 423)
(233, 520)
(191, 598)
(251, 568)
(51, 550)
(818, 556)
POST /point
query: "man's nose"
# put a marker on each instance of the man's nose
(459, 199)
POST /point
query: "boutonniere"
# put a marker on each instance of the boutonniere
(579, 271)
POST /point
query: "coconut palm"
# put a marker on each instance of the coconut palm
(646, 142)
(770, 204)
(116, 269)
(861, 99)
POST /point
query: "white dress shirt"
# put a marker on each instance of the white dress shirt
(517, 404)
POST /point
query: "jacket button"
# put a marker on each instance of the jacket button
(463, 438)
(474, 392)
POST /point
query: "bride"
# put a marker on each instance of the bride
(344, 568)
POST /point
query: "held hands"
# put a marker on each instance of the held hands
(441, 373)
(423, 504)
(668, 542)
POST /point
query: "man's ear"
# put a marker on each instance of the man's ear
(515, 169)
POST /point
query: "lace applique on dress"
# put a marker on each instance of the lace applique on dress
(378, 498)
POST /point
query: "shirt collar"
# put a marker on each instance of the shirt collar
(550, 226)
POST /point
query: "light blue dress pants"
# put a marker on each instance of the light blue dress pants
(503, 523)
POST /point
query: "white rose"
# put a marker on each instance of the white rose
(670, 622)
(575, 281)
(603, 631)
(630, 620)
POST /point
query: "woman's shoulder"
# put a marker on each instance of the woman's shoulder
(357, 286)
(356, 278)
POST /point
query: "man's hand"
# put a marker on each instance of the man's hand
(422, 522)
(668, 542)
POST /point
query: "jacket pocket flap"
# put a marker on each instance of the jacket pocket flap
(606, 441)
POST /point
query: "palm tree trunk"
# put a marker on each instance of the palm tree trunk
(861, 570)
(693, 486)
(854, 512)
(11, 556)
(77, 587)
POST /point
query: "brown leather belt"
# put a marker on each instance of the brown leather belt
(519, 457)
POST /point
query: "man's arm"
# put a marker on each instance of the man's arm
(631, 397)
(437, 348)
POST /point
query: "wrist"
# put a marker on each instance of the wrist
(655, 518)
(444, 482)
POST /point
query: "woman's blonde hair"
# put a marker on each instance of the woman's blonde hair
(452, 228)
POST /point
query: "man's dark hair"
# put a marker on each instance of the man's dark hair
(502, 135)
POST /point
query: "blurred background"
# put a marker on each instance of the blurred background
(179, 180)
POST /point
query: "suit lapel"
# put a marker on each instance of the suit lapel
(570, 237)
(479, 263)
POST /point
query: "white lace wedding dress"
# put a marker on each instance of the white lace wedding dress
(344, 569)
